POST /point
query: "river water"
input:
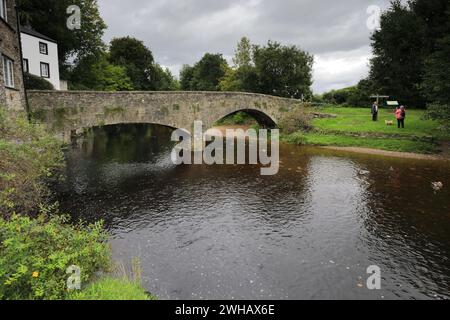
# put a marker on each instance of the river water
(226, 232)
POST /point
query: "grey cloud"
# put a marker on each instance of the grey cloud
(181, 32)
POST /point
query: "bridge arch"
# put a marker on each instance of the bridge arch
(262, 118)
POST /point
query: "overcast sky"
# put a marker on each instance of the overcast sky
(180, 31)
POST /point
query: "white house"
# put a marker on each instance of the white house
(40, 56)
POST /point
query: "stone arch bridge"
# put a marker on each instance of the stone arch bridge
(68, 111)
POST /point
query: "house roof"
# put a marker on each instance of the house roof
(36, 34)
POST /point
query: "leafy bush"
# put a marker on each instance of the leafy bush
(296, 138)
(356, 96)
(238, 118)
(439, 113)
(28, 157)
(295, 120)
(112, 289)
(35, 253)
(33, 82)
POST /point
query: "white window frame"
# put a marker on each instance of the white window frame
(45, 46)
(43, 75)
(3, 10)
(26, 65)
(8, 72)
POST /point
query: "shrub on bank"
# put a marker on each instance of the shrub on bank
(238, 118)
(295, 120)
(33, 82)
(35, 254)
(297, 138)
(440, 113)
(28, 159)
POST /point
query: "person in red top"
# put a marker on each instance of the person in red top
(400, 114)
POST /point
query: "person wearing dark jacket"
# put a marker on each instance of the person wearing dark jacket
(375, 111)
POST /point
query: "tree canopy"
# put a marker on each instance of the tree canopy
(205, 75)
(284, 71)
(136, 58)
(410, 34)
(49, 17)
(274, 69)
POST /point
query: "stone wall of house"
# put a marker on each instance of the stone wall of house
(12, 99)
(73, 110)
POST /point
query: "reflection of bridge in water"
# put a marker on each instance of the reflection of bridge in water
(66, 111)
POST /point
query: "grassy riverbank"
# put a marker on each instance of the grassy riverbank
(37, 242)
(353, 127)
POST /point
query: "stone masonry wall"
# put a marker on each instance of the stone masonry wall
(11, 98)
(72, 110)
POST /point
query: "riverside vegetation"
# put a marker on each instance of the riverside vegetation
(352, 127)
(37, 242)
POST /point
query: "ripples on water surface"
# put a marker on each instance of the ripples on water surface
(223, 232)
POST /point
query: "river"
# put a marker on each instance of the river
(226, 232)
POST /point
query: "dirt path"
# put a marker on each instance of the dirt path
(394, 154)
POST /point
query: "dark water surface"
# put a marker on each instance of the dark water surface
(223, 232)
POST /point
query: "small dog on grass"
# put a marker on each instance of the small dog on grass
(389, 123)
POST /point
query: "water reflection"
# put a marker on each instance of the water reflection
(224, 232)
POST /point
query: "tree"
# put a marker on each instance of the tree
(205, 75)
(243, 54)
(242, 76)
(186, 77)
(398, 48)
(284, 71)
(409, 34)
(355, 96)
(97, 73)
(137, 60)
(49, 17)
(436, 83)
(229, 81)
(163, 80)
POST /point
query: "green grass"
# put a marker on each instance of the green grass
(359, 120)
(112, 289)
(353, 127)
(400, 145)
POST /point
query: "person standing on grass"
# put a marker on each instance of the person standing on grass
(400, 114)
(375, 111)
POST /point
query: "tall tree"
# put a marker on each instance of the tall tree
(283, 70)
(205, 75)
(137, 60)
(186, 77)
(49, 17)
(436, 83)
(409, 34)
(162, 79)
(237, 77)
(398, 48)
(97, 73)
(243, 54)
